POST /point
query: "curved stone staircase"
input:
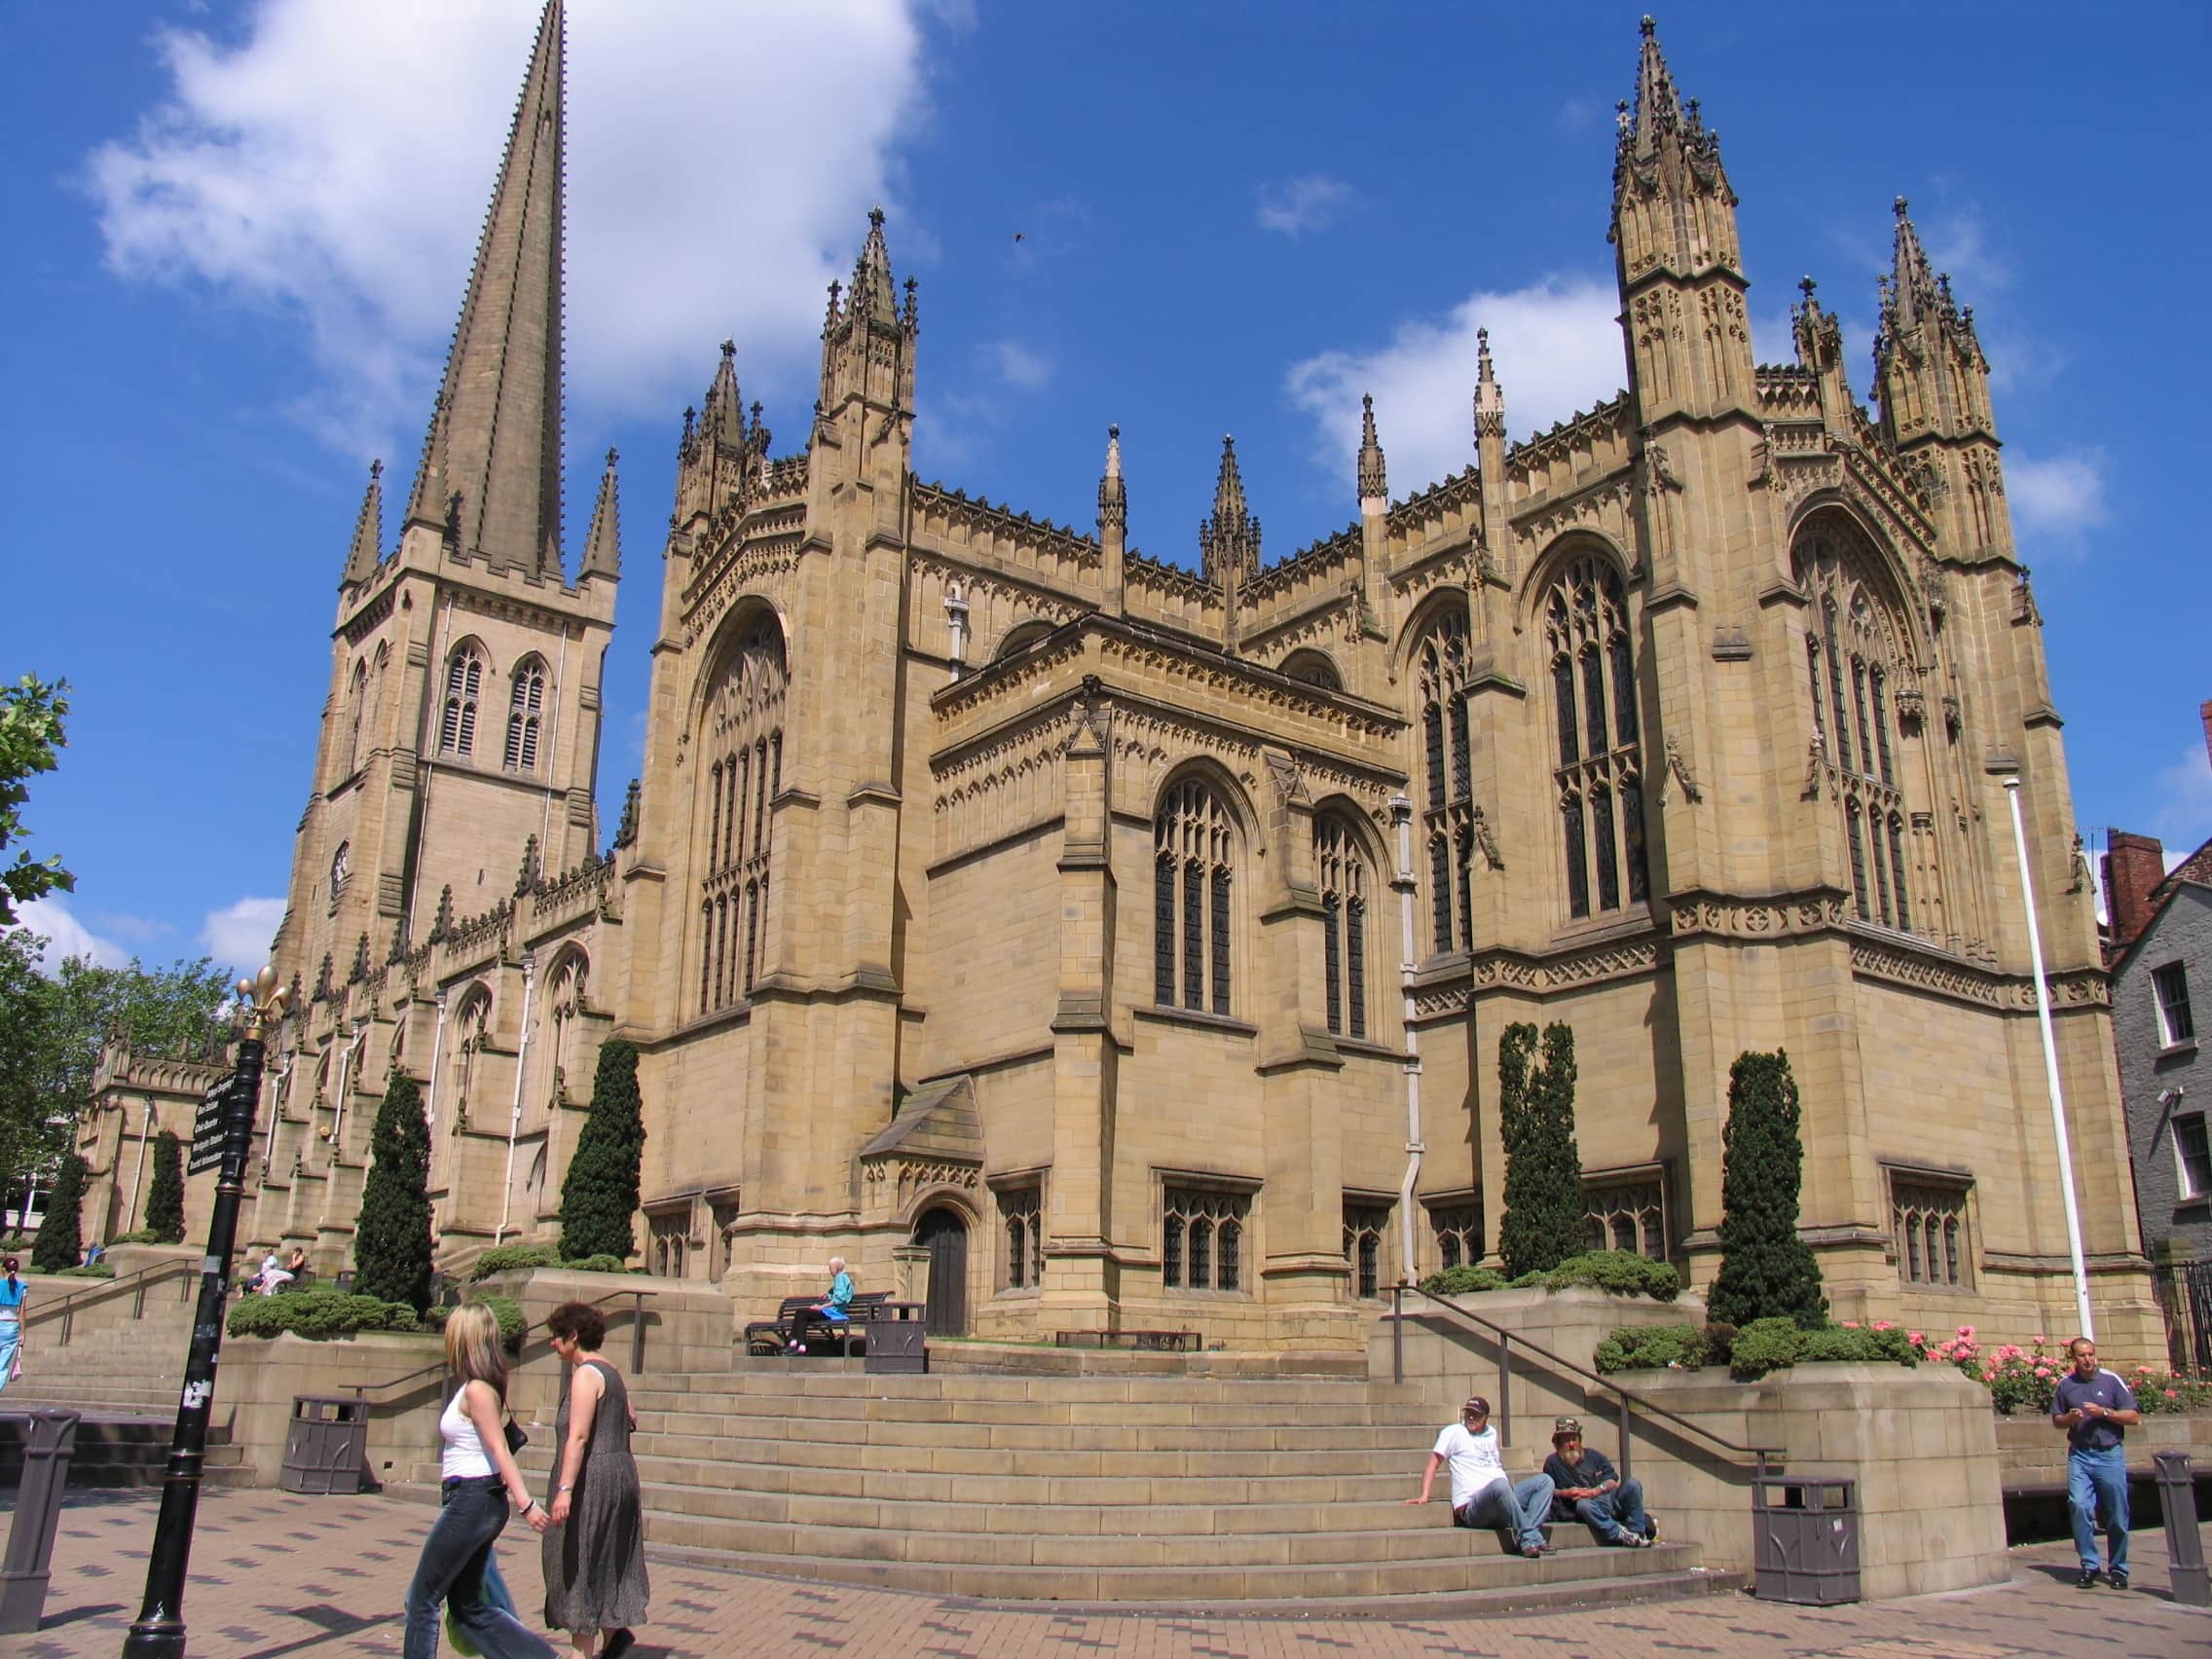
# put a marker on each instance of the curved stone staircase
(1146, 1490)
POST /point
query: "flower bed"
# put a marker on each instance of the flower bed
(2026, 1379)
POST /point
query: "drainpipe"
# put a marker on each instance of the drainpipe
(130, 1224)
(1402, 815)
(277, 1108)
(514, 1117)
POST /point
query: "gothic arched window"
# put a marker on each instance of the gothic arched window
(1599, 778)
(1344, 883)
(1440, 662)
(1194, 848)
(525, 701)
(742, 732)
(464, 683)
(356, 710)
(341, 867)
(1860, 676)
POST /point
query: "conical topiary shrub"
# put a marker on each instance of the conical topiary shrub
(391, 1237)
(1544, 1223)
(164, 1198)
(600, 1196)
(59, 1242)
(1766, 1270)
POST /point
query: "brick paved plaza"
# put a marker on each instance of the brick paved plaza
(275, 1576)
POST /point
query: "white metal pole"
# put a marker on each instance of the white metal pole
(1402, 815)
(130, 1225)
(515, 1116)
(2050, 1066)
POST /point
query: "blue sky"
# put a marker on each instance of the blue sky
(238, 235)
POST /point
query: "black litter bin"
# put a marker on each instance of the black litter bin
(1805, 1539)
(326, 1450)
(897, 1344)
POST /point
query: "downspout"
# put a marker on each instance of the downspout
(277, 1108)
(146, 1128)
(514, 1117)
(1402, 815)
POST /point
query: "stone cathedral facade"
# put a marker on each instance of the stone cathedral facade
(1135, 939)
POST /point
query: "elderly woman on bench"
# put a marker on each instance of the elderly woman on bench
(832, 1311)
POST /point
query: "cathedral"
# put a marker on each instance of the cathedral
(1081, 937)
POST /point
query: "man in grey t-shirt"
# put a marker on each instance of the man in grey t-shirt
(2096, 1408)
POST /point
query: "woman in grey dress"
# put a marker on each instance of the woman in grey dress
(595, 1554)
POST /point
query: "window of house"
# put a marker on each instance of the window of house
(1627, 1210)
(742, 732)
(2170, 984)
(464, 683)
(525, 705)
(1195, 845)
(2192, 1152)
(1022, 1214)
(1928, 1220)
(1598, 775)
(1343, 877)
(1365, 1225)
(1202, 1244)
(1458, 1230)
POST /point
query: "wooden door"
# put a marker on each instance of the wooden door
(943, 1233)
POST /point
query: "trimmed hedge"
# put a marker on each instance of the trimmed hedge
(510, 1256)
(88, 1270)
(318, 1314)
(144, 1236)
(1623, 1272)
(513, 1326)
(601, 1264)
(1460, 1281)
(1749, 1354)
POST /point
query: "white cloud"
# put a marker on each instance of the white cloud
(1578, 112)
(2057, 499)
(66, 937)
(1017, 365)
(1556, 346)
(239, 936)
(335, 161)
(1297, 206)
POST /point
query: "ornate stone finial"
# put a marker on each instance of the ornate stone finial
(1113, 493)
(1648, 27)
(729, 349)
(602, 547)
(398, 951)
(1489, 396)
(1230, 540)
(1373, 479)
(367, 551)
(1805, 287)
(836, 289)
(526, 879)
(361, 969)
(441, 927)
(875, 218)
(322, 979)
(626, 831)
(1901, 206)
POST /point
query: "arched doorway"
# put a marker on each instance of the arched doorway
(943, 1232)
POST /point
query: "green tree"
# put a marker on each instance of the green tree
(391, 1237)
(61, 1243)
(30, 1137)
(173, 1010)
(164, 1198)
(31, 713)
(1544, 1213)
(600, 1194)
(1766, 1270)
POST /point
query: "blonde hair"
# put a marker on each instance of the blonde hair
(472, 1346)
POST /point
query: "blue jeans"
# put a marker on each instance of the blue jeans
(1520, 1509)
(2091, 1478)
(1618, 1512)
(470, 1516)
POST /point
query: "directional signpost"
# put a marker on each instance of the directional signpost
(222, 1138)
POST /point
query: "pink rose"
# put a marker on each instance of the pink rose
(1918, 1339)
(1851, 1324)
(2041, 1339)
(2172, 1395)
(1884, 1324)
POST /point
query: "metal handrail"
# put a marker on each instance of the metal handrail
(637, 1344)
(1761, 1455)
(66, 1309)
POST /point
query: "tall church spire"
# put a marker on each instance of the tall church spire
(1229, 542)
(1930, 372)
(368, 533)
(491, 458)
(1673, 207)
(1374, 483)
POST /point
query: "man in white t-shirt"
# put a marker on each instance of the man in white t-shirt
(1481, 1493)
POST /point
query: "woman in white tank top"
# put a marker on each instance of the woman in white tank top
(479, 1482)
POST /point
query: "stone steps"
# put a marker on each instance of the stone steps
(117, 1449)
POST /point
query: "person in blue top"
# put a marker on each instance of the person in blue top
(2096, 1408)
(833, 1309)
(13, 1291)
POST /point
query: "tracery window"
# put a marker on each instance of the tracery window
(465, 682)
(1022, 1214)
(1627, 1210)
(1365, 1225)
(742, 741)
(1928, 1220)
(1599, 777)
(1459, 1228)
(1447, 825)
(1194, 856)
(340, 869)
(1202, 1244)
(1857, 662)
(525, 702)
(356, 711)
(1344, 883)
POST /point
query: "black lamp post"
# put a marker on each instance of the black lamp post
(158, 1633)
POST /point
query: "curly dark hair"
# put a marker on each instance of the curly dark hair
(580, 1322)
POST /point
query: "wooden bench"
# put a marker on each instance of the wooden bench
(1143, 1341)
(795, 1313)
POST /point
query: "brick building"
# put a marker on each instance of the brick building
(997, 888)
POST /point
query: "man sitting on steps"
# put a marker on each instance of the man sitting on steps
(1589, 1489)
(1482, 1496)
